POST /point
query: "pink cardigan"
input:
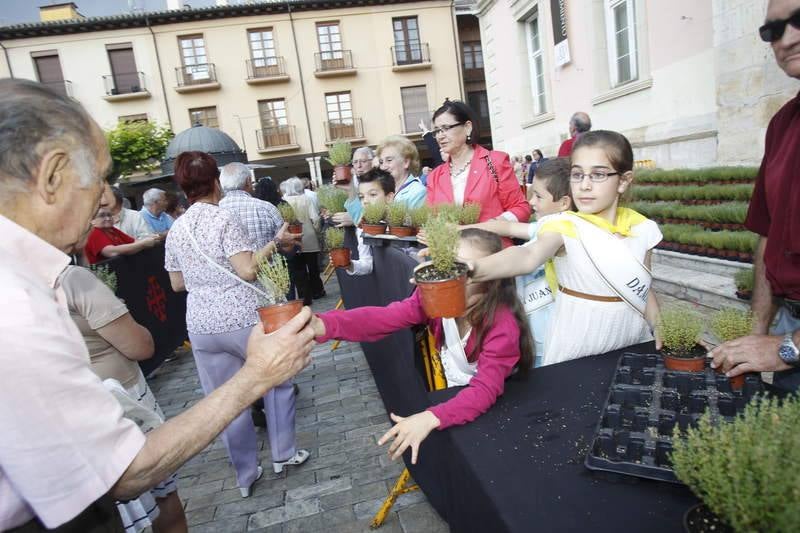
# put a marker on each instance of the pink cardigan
(496, 360)
(495, 196)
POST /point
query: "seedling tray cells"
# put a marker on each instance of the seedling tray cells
(646, 406)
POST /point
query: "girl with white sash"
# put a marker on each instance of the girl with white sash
(601, 256)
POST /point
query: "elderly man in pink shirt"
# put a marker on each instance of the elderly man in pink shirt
(66, 452)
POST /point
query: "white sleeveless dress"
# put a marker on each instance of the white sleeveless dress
(581, 327)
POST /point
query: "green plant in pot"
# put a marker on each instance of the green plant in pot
(419, 216)
(334, 239)
(448, 212)
(397, 217)
(746, 471)
(744, 280)
(729, 324)
(442, 281)
(332, 199)
(372, 219)
(339, 156)
(680, 328)
(469, 214)
(274, 278)
(289, 216)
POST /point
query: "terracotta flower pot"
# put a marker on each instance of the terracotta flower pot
(442, 298)
(693, 362)
(401, 231)
(275, 316)
(373, 229)
(342, 174)
(744, 295)
(295, 228)
(340, 257)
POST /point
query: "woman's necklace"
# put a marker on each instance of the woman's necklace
(460, 170)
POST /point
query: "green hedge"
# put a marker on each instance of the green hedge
(740, 241)
(654, 193)
(680, 175)
(726, 213)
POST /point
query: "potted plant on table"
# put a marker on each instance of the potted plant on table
(274, 277)
(680, 330)
(396, 216)
(469, 214)
(450, 213)
(290, 217)
(745, 471)
(729, 324)
(744, 279)
(339, 156)
(334, 239)
(332, 199)
(442, 281)
(418, 217)
(372, 219)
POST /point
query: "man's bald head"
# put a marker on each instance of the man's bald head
(579, 123)
(34, 119)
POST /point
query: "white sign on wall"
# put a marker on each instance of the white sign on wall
(558, 10)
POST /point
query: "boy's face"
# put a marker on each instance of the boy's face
(372, 193)
(542, 201)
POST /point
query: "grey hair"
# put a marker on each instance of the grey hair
(151, 196)
(581, 122)
(34, 118)
(365, 150)
(234, 176)
(292, 186)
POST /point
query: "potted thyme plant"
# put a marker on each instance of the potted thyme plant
(334, 239)
(289, 216)
(729, 324)
(418, 217)
(396, 216)
(745, 471)
(372, 219)
(469, 214)
(274, 277)
(744, 280)
(442, 281)
(339, 156)
(680, 329)
(331, 199)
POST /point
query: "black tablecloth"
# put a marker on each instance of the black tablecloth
(519, 467)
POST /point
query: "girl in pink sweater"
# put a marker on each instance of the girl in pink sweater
(479, 349)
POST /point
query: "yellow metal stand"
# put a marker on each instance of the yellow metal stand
(436, 381)
(327, 273)
(339, 305)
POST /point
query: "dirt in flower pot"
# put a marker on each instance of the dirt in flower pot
(342, 174)
(442, 297)
(401, 231)
(373, 229)
(340, 257)
(694, 361)
(700, 519)
(275, 316)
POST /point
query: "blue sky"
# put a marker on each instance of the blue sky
(19, 11)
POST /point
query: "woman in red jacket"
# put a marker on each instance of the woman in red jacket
(479, 349)
(472, 173)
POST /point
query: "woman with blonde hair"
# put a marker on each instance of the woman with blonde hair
(399, 157)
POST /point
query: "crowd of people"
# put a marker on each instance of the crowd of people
(85, 446)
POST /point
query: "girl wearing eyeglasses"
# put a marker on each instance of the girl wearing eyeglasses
(601, 256)
(473, 174)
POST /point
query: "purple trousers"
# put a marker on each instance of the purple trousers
(218, 358)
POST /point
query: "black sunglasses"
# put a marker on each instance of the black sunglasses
(773, 30)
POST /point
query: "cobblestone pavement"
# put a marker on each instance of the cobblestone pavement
(340, 416)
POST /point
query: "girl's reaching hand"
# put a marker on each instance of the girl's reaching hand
(318, 326)
(409, 431)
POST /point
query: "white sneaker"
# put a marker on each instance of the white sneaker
(246, 490)
(299, 458)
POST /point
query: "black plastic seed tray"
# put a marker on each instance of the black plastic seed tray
(647, 404)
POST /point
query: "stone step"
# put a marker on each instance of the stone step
(719, 267)
(707, 289)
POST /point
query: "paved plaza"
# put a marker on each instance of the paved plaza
(340, 416)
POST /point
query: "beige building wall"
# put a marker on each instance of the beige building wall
(367, 32)
(669, 112)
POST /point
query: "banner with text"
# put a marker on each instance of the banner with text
(558, 10)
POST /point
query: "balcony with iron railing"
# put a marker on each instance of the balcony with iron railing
(276, 139)
(199, 77)
(409, 122)
(334, 63)
(63, 87)
(411, 55)
(266, 70)
(125, 86)
(349, 129)
(474, 74)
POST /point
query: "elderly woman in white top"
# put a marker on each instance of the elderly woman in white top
(209, 254)
(305, 265)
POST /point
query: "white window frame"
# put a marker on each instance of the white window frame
(538, 93)
(611, 40)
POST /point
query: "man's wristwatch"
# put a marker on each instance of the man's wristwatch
(788, 352)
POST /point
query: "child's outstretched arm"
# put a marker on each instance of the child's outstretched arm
(517, 260)
(504, 228)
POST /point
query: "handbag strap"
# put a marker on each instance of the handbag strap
(493, 171)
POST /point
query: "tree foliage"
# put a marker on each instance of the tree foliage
(137, 146)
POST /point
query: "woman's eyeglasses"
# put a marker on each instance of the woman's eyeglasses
(595, 176)
(444, 128)
(773, 30)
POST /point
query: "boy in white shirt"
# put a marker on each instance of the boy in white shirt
(374, 186)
